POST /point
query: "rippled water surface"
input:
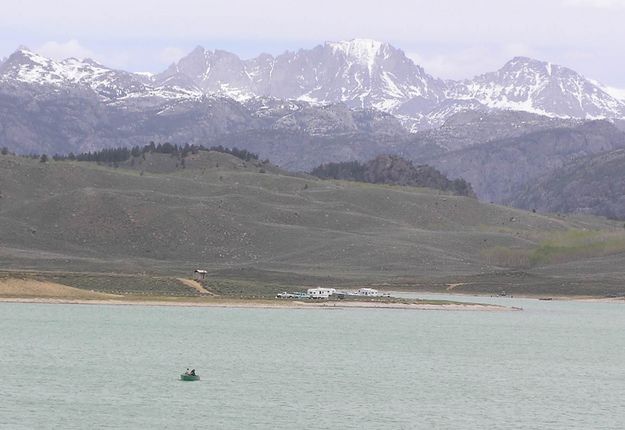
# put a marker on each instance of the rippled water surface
(556, 365)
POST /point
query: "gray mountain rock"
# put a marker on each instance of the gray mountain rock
(75, 119)
(370, 74)
(213, 72)
(475, 127)
(360, 73)
(591, 185)
(498, 168)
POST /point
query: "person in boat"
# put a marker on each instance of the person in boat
(187, 372)
(192, 372)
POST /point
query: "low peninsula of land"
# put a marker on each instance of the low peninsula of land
(28, 290)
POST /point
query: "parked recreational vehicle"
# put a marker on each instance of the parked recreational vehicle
(369, 292)
(320, 293)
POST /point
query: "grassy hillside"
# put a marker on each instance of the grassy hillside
(258, 229)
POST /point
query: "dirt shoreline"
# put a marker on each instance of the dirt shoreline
(575, 298)
(261, 304)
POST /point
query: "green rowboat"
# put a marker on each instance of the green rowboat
(186, 377)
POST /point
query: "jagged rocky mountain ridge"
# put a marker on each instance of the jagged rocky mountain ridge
(360, 73)
(371, 74)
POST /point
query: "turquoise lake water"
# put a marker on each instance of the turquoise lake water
(555, 365)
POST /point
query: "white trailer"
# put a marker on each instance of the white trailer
(369, 292)
(320, 292)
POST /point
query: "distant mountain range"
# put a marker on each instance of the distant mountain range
(361, 73)
(371, 74)
(340, 101)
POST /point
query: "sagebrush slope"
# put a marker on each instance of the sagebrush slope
(228, 216)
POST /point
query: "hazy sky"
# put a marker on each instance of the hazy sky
(450, 38)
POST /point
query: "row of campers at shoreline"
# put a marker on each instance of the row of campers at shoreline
(325, 293)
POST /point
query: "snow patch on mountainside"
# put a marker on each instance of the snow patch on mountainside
(617, 93)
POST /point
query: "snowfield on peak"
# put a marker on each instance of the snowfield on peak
(363, 51)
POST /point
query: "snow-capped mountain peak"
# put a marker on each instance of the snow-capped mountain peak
(521, 63)
(26, 67)
(540, 87)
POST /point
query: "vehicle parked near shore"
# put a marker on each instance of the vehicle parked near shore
(321, 293)
(294, 295)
